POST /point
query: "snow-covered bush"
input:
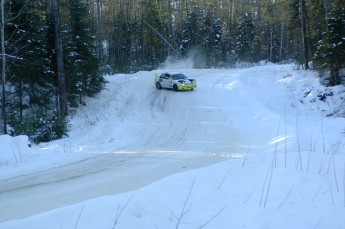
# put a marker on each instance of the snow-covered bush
(41, 127)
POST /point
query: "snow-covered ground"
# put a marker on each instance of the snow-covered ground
(260, 147)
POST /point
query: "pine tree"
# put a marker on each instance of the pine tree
(245, 37)
(330, 52)
(190, 35)
(83, 76)
(228, 54)
(294, 32)
(31, 107)
(211, 33)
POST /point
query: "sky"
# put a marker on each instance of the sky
(252, 147)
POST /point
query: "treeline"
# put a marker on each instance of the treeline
(55, 51)
(140, 34)
(49, 65)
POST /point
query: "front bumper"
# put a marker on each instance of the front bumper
(185, 87)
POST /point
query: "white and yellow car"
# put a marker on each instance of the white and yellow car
(174, 80)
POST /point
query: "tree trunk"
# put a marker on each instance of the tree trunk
(231, 12)
(304, 33)
(142, 33)
(170, 25)
(121, 53)
(21, 101)
(60, 64)
(281, 41)
(3, 78)
(334, 75)
(98, 31)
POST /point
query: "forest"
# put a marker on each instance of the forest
(54, 53)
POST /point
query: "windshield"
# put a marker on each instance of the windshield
(179, 76)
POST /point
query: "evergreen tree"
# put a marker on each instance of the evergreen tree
(122, 41)
(211, 32)
(135, 48)
(318, 22)
(245, 38)
(190, 36)
(29, 67)
(83, 76)
(31, 107)
(330, 52)
(294, 31)
(216, 42)
(155, 25)
(228, 54)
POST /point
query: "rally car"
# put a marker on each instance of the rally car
(174, 80)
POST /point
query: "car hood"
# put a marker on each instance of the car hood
(185, 81)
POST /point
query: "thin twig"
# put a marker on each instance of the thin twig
(171, 212)
(321, 163)
(224, 178)
(299, 146)
(335, 174)
(161, 36)
(183, 212)
(317, 192)
(308, 161)
(285, 199)
(317, 224)
(215, 215)
(14, 154)
(80, 212)
(154, 225)
(246, 156)
(276, 145)
(323, 146)
(263, 187)
(250, 195)
(323, 137)
(120, 211)
(330, 187)
(21, 156)
(310, 149)
(269, 174)
(329, 164)
(269, 185)
(285, 146)
(344, 184)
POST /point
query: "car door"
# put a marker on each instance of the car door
(170, 81)
(164, 80)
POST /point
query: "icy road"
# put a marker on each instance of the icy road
(133, 134)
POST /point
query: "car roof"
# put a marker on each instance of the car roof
(174, 73)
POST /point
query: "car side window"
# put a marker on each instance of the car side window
(164, 76)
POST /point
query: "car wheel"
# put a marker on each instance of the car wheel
(158, 85)
(175, 87)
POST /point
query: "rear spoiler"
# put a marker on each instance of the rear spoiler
(158, 74)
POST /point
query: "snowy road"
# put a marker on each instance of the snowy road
(281, 157)
(145, 134)
(107, 174)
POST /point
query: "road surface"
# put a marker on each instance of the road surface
(162, 133)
